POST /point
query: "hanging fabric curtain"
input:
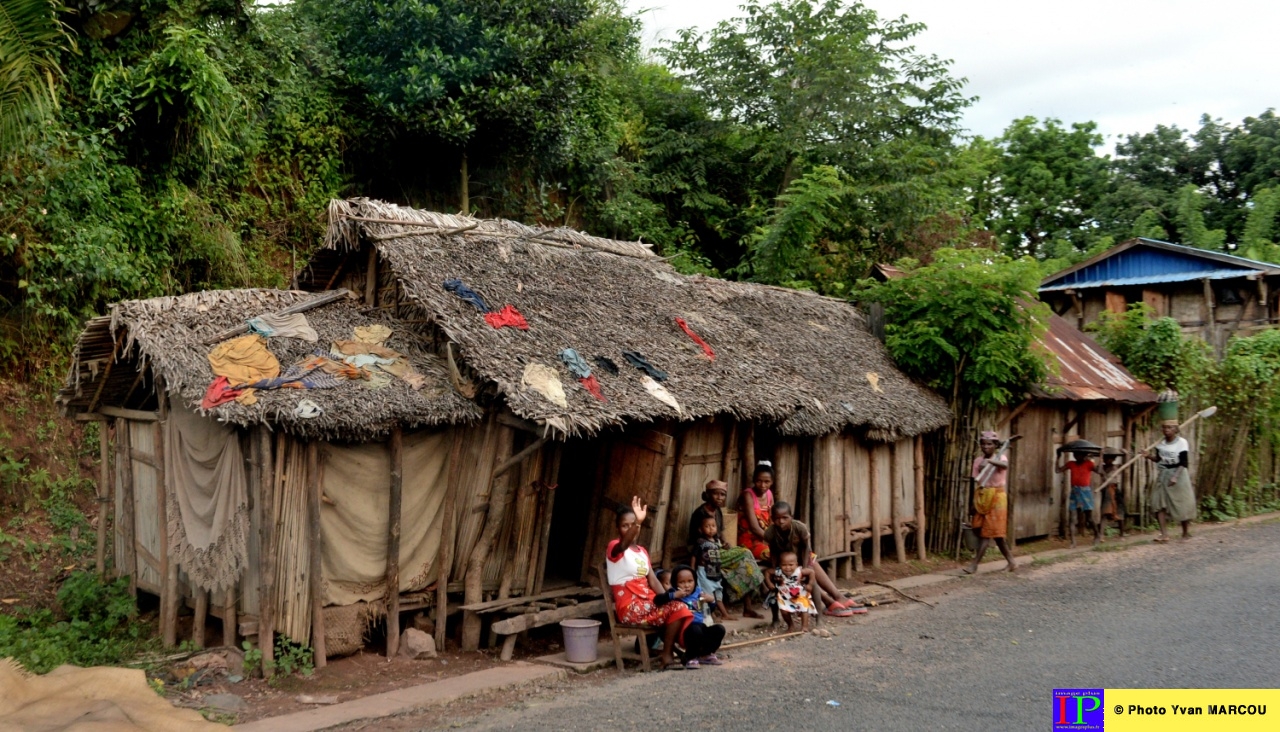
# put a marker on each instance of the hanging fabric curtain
(208, 503)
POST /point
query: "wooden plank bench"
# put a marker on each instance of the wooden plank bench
(536, 611)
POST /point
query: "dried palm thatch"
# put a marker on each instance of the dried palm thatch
(804, 362)
(168, 334)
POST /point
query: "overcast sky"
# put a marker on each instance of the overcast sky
(1126, 64)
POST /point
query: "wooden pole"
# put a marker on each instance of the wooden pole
(726, 457)
(323, 298)
(918, 470)
(672, 536)
(128, 527)
(749, 450)
(499, 494)
(874, 477)
(895, 504)
(267, 613)
(201, 617)
(371, 278)
(393, 542)
(313, 519)
(104, 497)
(230, 619)
(548, 512)
(168, 568)
(448, 535)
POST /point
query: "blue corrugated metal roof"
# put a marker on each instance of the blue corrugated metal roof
(1147, 265)
(1193, 251)
(1213, 274)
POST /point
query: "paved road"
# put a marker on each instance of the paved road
(1201, 614)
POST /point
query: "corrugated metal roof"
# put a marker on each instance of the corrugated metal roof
(1147, 261)
(1086, 370)
(1212, 274)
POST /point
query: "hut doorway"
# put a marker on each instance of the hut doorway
(569, 518)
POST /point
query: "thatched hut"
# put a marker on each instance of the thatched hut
(504, 461)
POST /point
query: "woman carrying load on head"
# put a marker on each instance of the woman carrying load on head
(1172, 495)
(755, 506)
(990, 502)
(739, 573)
(634, 584)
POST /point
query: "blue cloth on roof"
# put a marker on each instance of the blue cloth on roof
(576, 363)
(466, 294)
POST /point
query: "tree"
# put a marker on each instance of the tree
(810, 84)
(1048, 182)
(31, 39)
(967, 324)
(486, 79)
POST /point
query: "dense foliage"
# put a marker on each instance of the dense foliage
(966, 324)
(168, 145)
(97, 626)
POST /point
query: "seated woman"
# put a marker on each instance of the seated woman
(739, 574)
(754, 506)
(635, 586)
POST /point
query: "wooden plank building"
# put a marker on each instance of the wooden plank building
(495, 473)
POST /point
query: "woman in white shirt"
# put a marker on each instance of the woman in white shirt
(1172, 495)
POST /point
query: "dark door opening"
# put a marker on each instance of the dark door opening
(569, 517)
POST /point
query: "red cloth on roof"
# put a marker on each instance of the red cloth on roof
(592, 385)
(218, 393)
(507, 316)
(711, 355)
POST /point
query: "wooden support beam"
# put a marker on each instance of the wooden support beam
(393, 542)
(106, 372)
(749, 449)
(874, 477)
(499, 498)
(895, 505)
(726, 457)
(672, 536)
(918, 469)
(548, 513)
(510, 420)
(136, 415)
(519, 457)
(371, 278)
(229, 624)
(1008, 418)
(129, 514)
(313, 521)
(323, 298)
(168, 566)
(201, 617)
(104, 497)
(448, 536)
(270, 544)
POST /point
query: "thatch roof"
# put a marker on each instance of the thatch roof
(802, 361)
(168, 334)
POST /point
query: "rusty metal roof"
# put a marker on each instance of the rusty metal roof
(1086, 370)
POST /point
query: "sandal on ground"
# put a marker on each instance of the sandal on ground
(692, 664)
(674, 666)
(1160, 540)
(711, 660)
(839, 612)
(850, 604)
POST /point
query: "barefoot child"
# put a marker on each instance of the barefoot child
(1081, 469)
(706, 562)
(794, 588)
(990, 502)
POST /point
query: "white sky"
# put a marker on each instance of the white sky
(1126, 64)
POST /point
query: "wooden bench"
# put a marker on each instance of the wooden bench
(536, 611)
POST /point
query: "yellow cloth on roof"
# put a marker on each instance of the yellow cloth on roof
(376, 333)
(544, 380)
(244, 360)
(103, 699)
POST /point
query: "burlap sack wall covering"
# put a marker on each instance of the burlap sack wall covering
(354, 521)
(208, 503)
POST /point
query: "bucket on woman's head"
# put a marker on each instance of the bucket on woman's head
(581, 636)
